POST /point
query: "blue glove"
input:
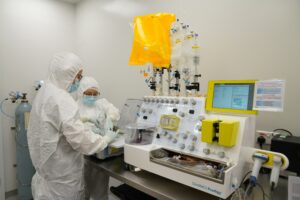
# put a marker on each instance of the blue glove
(108, 124)
(98, 131)
(96, 122)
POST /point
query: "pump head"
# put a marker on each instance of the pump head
(259, 159)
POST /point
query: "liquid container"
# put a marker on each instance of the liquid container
(139, 134)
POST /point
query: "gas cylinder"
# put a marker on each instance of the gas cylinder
(25, 169)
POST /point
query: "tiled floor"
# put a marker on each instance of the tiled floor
(111, 196)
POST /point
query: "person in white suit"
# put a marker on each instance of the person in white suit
(99, 115)
(57, 138)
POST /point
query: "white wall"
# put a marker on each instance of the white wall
(104, 42)
(240, 40)
(30, 32)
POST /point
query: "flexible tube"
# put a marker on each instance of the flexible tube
(2, 111)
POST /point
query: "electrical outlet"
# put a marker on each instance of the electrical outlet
(268, 135)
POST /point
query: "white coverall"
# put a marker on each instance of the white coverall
(96, 180)
(100, 111)
(56, 136)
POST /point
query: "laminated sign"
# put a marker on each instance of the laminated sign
(269, 95)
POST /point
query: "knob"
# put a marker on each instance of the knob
(162, 101)
(191, 147)
(193, 102)
(185, 136)
(181, 146)
(152, 100)
(174, 140)
(157, 100)
(167, 100)
(206, 151)
(194, 138)
(172, 101)
(170, 137)
(200, 128)
(221, 154)
(182, 114)
(185, 101)
(192, 112)
(143, 110)
(175, 110)
(150, 111)
(165, 133)
(201, 117)
(177, 101)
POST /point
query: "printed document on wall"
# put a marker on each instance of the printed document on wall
(269, 95)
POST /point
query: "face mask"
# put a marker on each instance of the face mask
(74, 87)
(89, 100)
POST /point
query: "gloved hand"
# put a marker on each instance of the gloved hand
(110, 135)
(108, 124)
(98, 131)
(113, 115)
(96, 122)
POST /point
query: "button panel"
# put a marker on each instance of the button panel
(187, 137)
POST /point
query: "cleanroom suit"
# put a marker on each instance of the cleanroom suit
(57, 138)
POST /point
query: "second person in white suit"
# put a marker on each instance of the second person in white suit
(98, 115)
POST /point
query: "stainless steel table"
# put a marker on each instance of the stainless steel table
(165, 189)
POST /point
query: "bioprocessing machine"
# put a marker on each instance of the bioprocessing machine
(207, 143)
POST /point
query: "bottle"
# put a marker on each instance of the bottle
(176, 45)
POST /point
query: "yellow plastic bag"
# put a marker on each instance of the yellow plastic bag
(152, 40)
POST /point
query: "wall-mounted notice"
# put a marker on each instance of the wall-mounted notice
(269, 95)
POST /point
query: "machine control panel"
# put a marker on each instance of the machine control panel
(178, 120)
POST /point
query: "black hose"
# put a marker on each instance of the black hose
(282, 129)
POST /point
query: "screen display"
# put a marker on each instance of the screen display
(233, 96)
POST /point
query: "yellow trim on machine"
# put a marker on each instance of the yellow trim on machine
(228, 132)
(210, 95)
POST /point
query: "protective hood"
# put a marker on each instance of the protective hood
(63, 69)
(86, 83)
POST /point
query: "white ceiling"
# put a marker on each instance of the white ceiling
(71, 1)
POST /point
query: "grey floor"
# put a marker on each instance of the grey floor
(12, 198)
(112, 182)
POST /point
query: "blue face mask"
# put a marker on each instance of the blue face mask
(74, 87)
(89, 100)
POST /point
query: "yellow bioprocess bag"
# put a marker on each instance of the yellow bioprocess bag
(151, 42)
